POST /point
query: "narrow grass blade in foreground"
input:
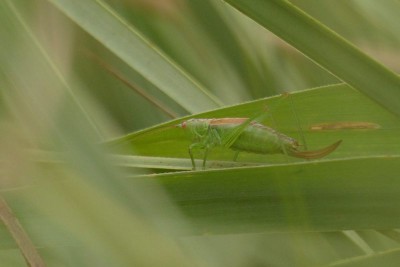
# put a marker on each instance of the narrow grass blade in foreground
(99, 20)
(328, 196)
(25, 244)
(389, 258)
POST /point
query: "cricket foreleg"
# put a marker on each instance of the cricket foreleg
(191, 154)
(212, 139)
(199, 146)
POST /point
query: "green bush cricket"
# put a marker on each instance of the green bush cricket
(245, 134)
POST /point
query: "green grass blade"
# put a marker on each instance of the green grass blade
(326, 48)
(326, 114)
(132, 161)
(327, 196)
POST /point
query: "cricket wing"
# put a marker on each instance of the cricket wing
(315, 154)
(238, 125)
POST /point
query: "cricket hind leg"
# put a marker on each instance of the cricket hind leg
(213, 138)
(297, 118)
(236, 155)
(205, 157)
(283, 96)
(208, 141)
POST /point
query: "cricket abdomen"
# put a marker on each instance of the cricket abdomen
(258, 138)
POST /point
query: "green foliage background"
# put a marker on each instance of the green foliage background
(96, 175)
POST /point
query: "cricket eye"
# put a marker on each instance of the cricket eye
(180, 125)
(183, 125)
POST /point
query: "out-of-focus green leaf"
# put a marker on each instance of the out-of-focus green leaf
(325, 48)
(112, 31)
(78, 212)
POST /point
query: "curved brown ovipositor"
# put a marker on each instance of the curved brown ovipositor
(315, 154)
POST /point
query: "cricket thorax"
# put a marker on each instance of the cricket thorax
(198, 127)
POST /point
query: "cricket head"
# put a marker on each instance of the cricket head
(196, 126)
(181, 125)
(192, 123)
